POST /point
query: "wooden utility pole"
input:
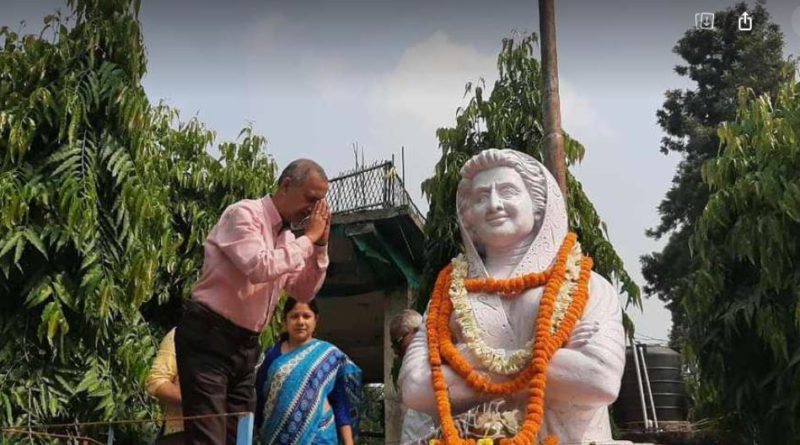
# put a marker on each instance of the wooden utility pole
(554, 157)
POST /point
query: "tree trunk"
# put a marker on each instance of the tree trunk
(554, 157)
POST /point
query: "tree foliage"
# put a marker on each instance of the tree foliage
(744, 315)
(511, 117)
(199, 188)
(105, 201)
(718, 61)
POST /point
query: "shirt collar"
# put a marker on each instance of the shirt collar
(272, 215)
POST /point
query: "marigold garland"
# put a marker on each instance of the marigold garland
(495, 360)
(549, 336)
(509, 287)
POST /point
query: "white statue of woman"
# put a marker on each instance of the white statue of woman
(513, 221)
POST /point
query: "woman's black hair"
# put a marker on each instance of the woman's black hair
(291, 303)
(288, 306)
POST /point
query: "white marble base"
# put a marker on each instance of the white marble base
(617, 442)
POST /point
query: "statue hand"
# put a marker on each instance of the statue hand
(582, 333)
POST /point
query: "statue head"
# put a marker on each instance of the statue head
(501, 198)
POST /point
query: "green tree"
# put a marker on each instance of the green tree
(105, 201)
(718, 61)
(199, 188)
(744, 315)
(509, 118)
(83, 231)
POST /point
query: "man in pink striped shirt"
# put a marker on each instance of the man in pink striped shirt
(249, 258)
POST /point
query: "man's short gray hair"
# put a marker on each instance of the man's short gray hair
(406, 321)
(297, 171)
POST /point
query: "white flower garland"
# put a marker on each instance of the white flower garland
(567, 292)
(496, 360)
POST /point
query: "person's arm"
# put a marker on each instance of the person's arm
(346, 434)
(588, 369)
(340, 403)
(169, 392)
(342, 408)
(162, 381)
(304, 284)
(240, 239)
(415, 383)
(341, 412)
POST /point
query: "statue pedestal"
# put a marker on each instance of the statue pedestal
(622, 442)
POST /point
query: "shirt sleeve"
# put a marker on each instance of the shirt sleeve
(304, 284)
(164, 368)
(240, 239)
(340, 402)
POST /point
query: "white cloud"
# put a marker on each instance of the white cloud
(262, 43)
(266, 32)
(796, 20)
(421, 94)
(579, 117)
(277, 65)
(428, 82)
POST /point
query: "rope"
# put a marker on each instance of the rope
(77, 425)
(133, 421)
(48, 435)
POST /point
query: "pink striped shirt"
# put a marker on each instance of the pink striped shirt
(248, 261)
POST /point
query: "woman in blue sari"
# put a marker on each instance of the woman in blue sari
(307, 389)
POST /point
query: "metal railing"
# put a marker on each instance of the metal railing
(375, 187)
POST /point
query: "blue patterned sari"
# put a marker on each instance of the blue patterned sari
(296, 386)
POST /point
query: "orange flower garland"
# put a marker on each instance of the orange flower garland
(546, 306)
(534, 376)
(509, 287)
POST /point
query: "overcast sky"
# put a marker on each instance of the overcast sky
(315, 77)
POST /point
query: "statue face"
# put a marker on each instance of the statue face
(501, 209)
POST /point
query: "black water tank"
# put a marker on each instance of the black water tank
(669, 391)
